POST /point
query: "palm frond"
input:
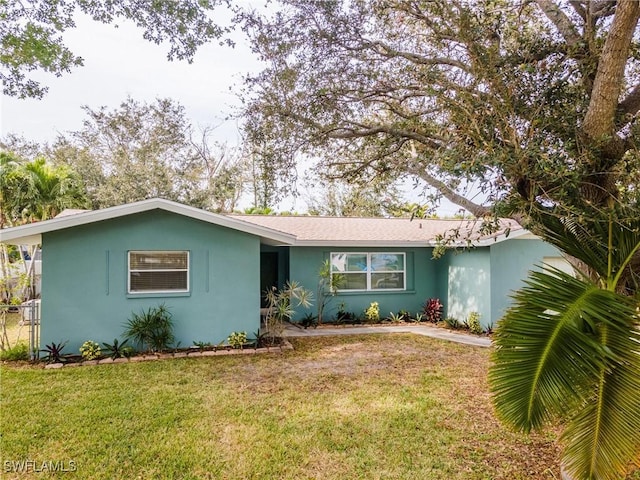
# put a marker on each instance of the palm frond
(605, 433)
(548, 352)
(605, 245)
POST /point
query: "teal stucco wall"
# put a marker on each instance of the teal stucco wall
(483, 279)
(84, 279)
(421, 282)
(467, 279)
(511, 262)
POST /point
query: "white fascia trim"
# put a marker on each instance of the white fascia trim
(359, 244)
(32, 233)
(514, 234)
(485, 242)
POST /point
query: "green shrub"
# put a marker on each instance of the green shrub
(452, 323)
(309, 320)
(473, 323)
(237, 339)
(90, 350)
(151, 329)
(116, 349)
(16, 353)
(372, 314)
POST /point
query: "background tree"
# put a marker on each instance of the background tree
(36, 190)
(142, 150)
(337, 197)
(29, 192)
(31, 33)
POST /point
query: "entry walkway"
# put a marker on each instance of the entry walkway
(426, 330)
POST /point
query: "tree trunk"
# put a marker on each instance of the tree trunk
(599, 120)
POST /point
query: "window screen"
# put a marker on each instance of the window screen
(158, 271)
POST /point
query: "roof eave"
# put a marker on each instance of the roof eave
(32, 233)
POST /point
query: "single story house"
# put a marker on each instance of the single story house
(209, 269)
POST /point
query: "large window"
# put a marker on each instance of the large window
(158, 271)
(370, 271)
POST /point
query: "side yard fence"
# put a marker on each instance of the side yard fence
(14, 319)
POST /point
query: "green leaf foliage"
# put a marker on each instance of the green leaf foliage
(568, 349)
(31, 33)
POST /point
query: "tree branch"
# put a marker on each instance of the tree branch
(564, 25)
(386, 51)
(451, 195)
(579, 8)
(602, 8)
(360, 131)
(631, 104)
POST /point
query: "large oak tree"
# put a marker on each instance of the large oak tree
(532, 102)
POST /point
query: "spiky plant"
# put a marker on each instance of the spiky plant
(569, 348)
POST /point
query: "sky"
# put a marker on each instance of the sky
(118, 63)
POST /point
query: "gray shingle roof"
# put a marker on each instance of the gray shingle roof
(313, 230)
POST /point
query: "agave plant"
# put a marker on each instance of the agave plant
(569, 349)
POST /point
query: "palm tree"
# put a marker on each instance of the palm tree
(33, 191)
(12, 186)
(50, 190)
(569, 348)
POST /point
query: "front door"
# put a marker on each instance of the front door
(268, 274)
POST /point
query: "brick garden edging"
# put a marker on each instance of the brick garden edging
(165, 356)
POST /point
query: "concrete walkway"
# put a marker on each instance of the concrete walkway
(426, 330)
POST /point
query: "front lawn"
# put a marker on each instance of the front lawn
(376, 406)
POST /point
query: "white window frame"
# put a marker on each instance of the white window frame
(369, 271)
(175, 290)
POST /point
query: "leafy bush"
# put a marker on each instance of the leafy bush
(473, 323)
(393, 318)
(432, 310)
(16, 353)
(372, 313)
(202, 346)
(117, 350)
(344, 316)
(54, 352)
(152, 329)
(453, 323)
(237, 339)
(309, 320)
(90, 350)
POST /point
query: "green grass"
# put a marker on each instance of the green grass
(16, 333)
(369, 407)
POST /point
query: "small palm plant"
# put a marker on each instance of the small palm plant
(281, 308)
(569, 348)
(152, 329)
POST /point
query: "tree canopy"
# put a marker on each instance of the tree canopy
(533, 104)
(36, 190)
(31, 33)
(145, 150)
